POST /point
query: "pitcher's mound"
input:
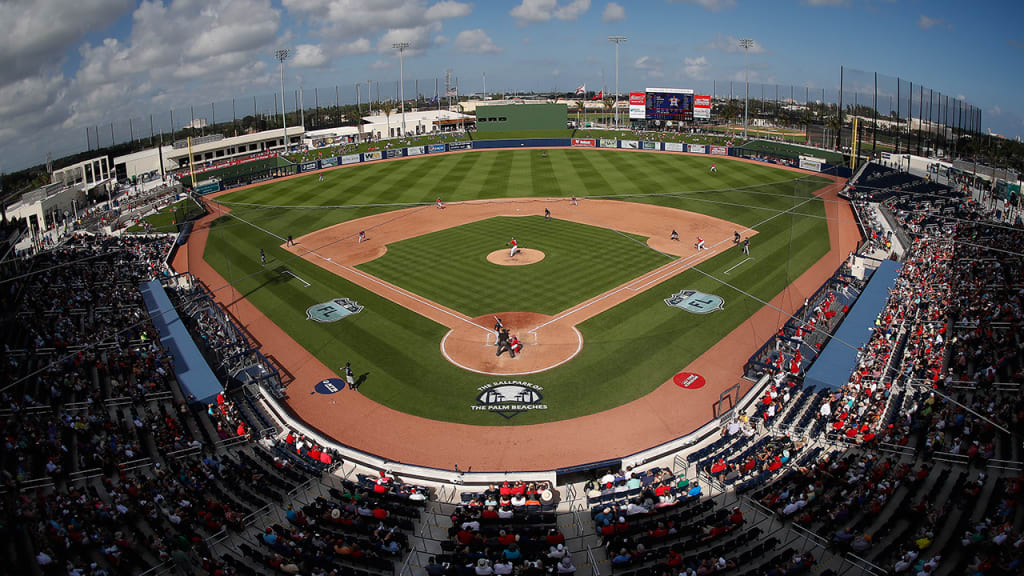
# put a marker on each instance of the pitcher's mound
(522, 258)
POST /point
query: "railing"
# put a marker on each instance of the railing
(595, 569)
(679, 463)
(1005, 465)
(860, 563)
(950, 457)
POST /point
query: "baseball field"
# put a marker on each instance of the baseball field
(422, 274)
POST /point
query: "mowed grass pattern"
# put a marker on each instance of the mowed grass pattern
(450, 266)
(629, 350)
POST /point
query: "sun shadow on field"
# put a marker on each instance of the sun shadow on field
(359, 381)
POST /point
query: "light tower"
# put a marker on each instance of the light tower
(617, 40)
(401, 46)
(746, 44)
(281, 56)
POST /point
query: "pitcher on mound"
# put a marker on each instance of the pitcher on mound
(513, 247)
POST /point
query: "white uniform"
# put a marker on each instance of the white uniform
(700, 244)
(514, 248)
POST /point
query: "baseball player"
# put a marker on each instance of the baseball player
(498, 325)
(349, 376)
(736, 238)
(573, 201)
(746, 246)
(516, 346)
(700, 244)
(263, 258)
(547, 214)
(321, 178)
(674, 236)
(362, 236)
(439, 204)
(514, 247)
(714, 169)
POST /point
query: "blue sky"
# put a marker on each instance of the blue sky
(92, 62)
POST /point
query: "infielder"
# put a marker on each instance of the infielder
(574, 202)
(700, 244)
(674, 236)
(439, 204)
(514, 247)
(746, 246)
(349, 376)
(362, 236)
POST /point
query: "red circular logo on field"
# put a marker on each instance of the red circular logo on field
(689, 380)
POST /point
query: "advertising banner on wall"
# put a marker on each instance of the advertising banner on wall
(327, 162)
(393, 153)
(718, 150)
(630, 144)
(674, 146)
(368, 156)
(609, 143)
(811, 163)
(307, 166)
(350, 159)
(414, 150)
(435, 148)
(648, 145)
(584, 142)
(460, 146)
(636, 105)
(697, 149)
(701, 107)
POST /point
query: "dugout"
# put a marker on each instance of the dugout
(506, 117)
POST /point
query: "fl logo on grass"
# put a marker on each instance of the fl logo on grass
(695, 301)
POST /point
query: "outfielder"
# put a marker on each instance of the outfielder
(514, 247)
(714, 168)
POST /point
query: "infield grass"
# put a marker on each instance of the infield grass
(630, 349)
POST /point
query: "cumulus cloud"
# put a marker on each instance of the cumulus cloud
(712, 5)
(544, 10)
(475, 42)
(308, 56)
(696, 68)
(613, 12)
(420, 38)
(448, 9)
(926, 23)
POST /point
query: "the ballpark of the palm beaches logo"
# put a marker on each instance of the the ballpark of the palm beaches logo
(509, 397)
(333, 310)
(696, 302)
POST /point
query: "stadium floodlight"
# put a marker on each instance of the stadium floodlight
(281, 56)
(401, 46)
(746, 44)
(617, 40)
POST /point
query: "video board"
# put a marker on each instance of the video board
(674, 104)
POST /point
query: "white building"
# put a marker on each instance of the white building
(85, 174)
(142, 162)
(216, 147)
(420, 122)
(47, 209)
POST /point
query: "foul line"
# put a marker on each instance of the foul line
(731, 269)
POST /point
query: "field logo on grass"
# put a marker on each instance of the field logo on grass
(695, 301)
(329, 386)
(333, 310)
(509, 397)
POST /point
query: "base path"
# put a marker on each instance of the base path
(665, 414)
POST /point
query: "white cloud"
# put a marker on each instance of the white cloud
(381, 64)
(358, 46)
(308, 56)
(925, 23)
(420, 38)
(448, 9)
(712, 5)
(39, 32)
(543, 10)
(613, 12)
(475, 42)
(440, 39)
(572, 10)
(731, 45)
(696, 68)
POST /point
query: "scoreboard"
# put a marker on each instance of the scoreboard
(675, 104)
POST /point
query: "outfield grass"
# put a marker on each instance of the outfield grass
(456, 273)
(630, 349)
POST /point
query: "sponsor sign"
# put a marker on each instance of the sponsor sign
(350, 159)
(414, 150)
(208, 188)
(696, 302)
(584, 142)
(689, 380)
(648, 145)
(674, 146)
(718, 150)
(509, 397)
(328, 162)
(370, 156)
(609, 143)
(329, 386)
(637, 100)
(812, 164)
(460, 146)
(307, 166)
(697, 149)
(886, 156)
(435, 148)
(630, 144)
(393, 153)
(701, 107)
(333, 310)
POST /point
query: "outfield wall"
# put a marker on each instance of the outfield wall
(580, 143)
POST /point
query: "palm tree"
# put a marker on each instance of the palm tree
(609, 104)
(387, 116)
